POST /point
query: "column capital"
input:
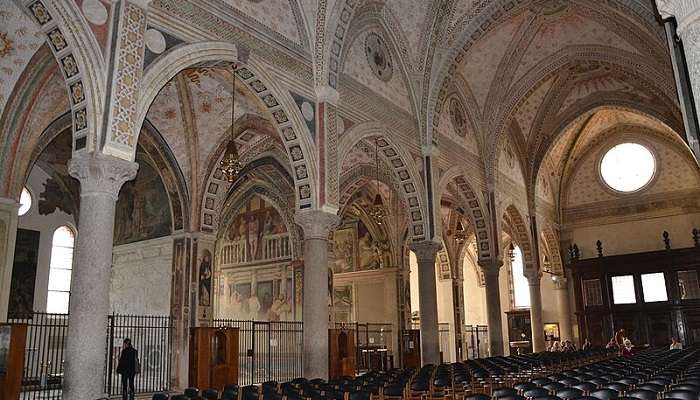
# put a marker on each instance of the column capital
(426, 251)
(561, 282)
(534, 278)
(316, 224)
(143, 4)
(327, 94)
(490, 266)
(686, 11)
(101, 174)
(430, 150)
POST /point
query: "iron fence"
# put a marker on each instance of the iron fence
(445, 339)
(150, 336)
(374, 345)
(42, 377)
(476, 338)
(268, 350)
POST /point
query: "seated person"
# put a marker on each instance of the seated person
(612, 344)
(568, 346)
(586, 345)
(627, 348)
(675, 344)
(556, 346)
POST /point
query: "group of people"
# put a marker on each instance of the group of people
(566, 345)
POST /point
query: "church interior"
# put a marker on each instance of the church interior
(350, 199)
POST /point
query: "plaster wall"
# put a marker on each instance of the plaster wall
(141, 277)
(45, 225)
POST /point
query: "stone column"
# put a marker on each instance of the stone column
(562, 297)
(426, 253)
(8, 233)
(100, 178)
(687, 14)
(317, 225)
(536, 312)
(491, 269)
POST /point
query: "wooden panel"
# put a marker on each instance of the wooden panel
(11, 378)
(644, 323)
(213, 357)
(411, 348)
(341, 353)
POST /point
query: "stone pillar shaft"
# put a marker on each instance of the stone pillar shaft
(426, 253)
(491, 270)
(317, 225)
(100, 178)
(8, 234)
(562, 295)
(536, 314)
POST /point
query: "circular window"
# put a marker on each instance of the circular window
(25, 202)
(627, 167)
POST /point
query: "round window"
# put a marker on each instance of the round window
(25, 202)
(627, 167)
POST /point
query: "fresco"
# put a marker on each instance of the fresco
(354, 249)
(343, 303)
(205, 279)
(256, 224)
(143, 207)
(250, 299)
(24, 272)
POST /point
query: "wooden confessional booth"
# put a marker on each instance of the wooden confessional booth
(410, 345)
(646, 321)
(341, 353)
(13, 338)
(213, 357)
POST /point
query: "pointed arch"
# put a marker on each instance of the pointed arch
(521, 236)
(402, 166)
(473, 204)
(285, 115)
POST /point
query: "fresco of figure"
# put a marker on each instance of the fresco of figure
(205, 280)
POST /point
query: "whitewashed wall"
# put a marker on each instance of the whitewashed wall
(46, 225)
(141, 277)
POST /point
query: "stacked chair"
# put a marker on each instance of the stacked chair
(649, 375)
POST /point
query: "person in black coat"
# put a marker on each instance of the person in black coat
(128, 368)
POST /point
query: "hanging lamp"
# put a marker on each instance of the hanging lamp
(377, 211)
(231, 164)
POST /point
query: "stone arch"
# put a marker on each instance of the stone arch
(473, 206)
(216, 191)
(159, 155)
(327, 66)
(551, 240)
(170, 174)
(80, 60)
(15, 136)
(250, 189)
(403, 168)
(632, 64)
(521, 236)
(588, 109)
(287, 119)
(370, 18)
(357, 177)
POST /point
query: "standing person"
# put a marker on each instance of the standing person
(128, 367)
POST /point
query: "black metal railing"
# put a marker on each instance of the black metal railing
(42, 377)
(268, 350)
(476, 338)
(150, 336)
(374, 343)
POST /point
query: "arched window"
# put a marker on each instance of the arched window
(521, 292)
(60, 271)
(25, 202)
